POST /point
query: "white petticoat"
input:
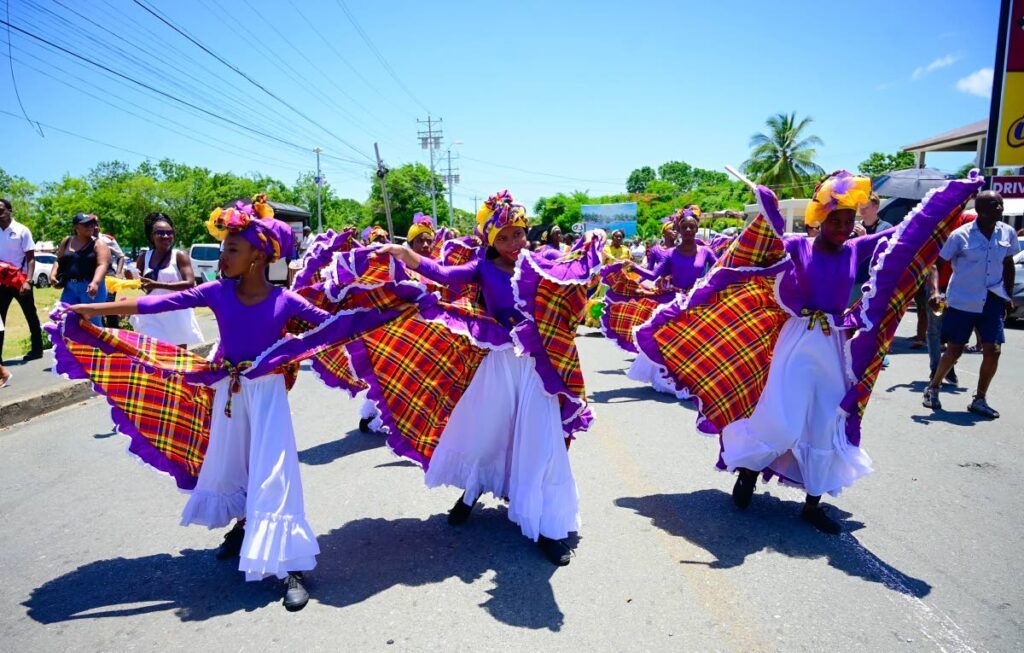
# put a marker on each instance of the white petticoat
(251, 470)
(797, 428)
(505, 437)
(644, 370)
(368, 410)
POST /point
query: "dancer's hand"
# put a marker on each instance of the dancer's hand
(84, 310)
(403, 254)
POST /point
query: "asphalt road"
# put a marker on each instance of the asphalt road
(92, 557)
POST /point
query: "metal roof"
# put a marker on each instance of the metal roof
(289, 208)
(963, 139)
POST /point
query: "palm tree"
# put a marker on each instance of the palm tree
(783, 158)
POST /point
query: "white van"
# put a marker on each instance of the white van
(205, 258)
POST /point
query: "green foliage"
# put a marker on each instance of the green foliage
(879, 163)
(639, 178)
(679, 184)
(783, 159)
(408, 192)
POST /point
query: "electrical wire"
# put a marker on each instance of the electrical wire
(14, 80)
(247, 77)
(378, 55)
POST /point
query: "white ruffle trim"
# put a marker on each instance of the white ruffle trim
(552, 512)
(213, 510)
(277, 544)
(462, 471)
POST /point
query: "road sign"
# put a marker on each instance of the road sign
(578, 228)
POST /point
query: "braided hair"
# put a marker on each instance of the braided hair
(150, 221)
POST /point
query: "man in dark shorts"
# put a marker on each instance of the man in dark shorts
(978, 297)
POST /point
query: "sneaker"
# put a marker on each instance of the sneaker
(885, 362)
(459, 514)
(295, 596)
(232, 544)
(557, 551)
(32, 355)
(818, 518)
(6, 380)
(952, 377)
(980, 407)
(931, 399)
(743, 490)
(364, 425)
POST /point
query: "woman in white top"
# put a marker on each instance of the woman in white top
(164, 270)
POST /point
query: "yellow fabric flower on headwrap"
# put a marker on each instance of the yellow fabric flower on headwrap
(268, 235)
(840, 190)
(498, 212)
(421, 224)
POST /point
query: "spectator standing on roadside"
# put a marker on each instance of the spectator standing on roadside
(18, 248)
(82, 262)
(979, 294)
(5, 374)
(116, 269)
(938, 283)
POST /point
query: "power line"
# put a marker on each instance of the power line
(14, 79)
(158, 91)
(378, 55)
(86, 138)
(252, 81)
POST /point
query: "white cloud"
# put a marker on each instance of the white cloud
(977, 83)
(941, 62)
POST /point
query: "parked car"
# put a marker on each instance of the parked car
(205, 258)
(44, 263)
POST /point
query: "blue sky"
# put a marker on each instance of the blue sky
(544, 96)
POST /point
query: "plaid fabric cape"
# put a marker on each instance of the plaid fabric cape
(552, 295)
(628, 304)
(160, 395)
(419, 366)
(718, 341)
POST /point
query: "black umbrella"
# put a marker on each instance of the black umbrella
(911, 184)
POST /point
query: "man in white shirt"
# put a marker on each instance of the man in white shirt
(18, 249)
(978, 296)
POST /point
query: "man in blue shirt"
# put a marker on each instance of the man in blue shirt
(978, 297)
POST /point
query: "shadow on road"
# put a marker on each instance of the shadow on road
(627, 395)
(959, 418)
(708, 519)
(351, 443)
(357, 561)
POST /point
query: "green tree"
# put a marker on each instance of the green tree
(22, 195)
(879, 163)
(639, 178)
(783, 159)
(408, 192)
(679, 173)
(660, 188)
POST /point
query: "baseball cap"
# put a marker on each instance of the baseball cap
(84, 218)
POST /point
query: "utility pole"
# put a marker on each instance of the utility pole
(319, 184)
(475, 205)
(450, 179)
(382, 172)
(431, 140)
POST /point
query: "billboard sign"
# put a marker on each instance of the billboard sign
(610, 217)
(1008, 187)
(1005, 146)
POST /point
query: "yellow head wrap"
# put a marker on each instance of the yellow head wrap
(421, 224)
(840, 190)
(498, 212)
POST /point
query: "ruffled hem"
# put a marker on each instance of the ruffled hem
(831, 470)
(213, 510)
(275, 545)
(552, 521)
(321, 250)
(459, 470)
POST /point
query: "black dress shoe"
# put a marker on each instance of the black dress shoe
(743, 490)
(557, 551)
(232, 544)
(459, 514)
(295, 596)
(32, 356)
(818, 518)
(364, 425)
